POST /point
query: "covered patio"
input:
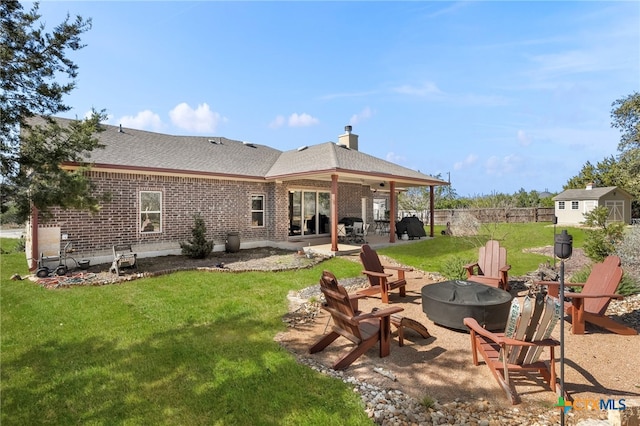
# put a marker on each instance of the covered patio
(323, 246)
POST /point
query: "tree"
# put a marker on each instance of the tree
(626, 117)
(35, 75)
(198, 247)
(623, 170)
(608, 172)
(414, 199)
(603, 236)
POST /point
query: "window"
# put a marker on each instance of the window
(575, 205)
(560, 205)
(257, 210)
(150, 211)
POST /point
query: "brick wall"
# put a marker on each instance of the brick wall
(224, 205)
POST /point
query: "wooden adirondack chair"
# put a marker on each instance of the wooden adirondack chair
(590, 305)
(363, 329)
(491, 267)
(519, 348)
(378, 278)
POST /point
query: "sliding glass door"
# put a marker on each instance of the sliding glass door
(309, 212)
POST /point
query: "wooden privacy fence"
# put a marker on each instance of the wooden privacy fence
(498, 215)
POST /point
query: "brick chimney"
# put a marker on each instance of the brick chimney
(349, 139)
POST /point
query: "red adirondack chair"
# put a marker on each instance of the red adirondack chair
(590, 305)
(491, 267)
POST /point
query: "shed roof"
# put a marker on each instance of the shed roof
(589, 194)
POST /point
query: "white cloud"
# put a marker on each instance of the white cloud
(361, 116)
(468, 161)
(144, 120)
(277, 122)
(199, 120)
(302, 120)
(427, 88)
(499, 166)
(524, 138)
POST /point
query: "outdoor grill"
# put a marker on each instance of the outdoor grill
(449, 302)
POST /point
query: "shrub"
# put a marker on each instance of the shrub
(597, 246)
(601, 240)
(627, 249)
(198, 247)
(428, 402)
(453, 267)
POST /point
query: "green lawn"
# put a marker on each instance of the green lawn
(433, 255)
(186, 348)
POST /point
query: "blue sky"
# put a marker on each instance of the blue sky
(497, 95)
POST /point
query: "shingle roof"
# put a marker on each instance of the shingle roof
(584, 194)
(143, 150)
(138, 148)
(329, 156)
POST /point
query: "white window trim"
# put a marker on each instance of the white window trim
(141, 212)
(264, 216)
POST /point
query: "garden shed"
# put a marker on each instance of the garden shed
(572, 204)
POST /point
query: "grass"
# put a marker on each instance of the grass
(186, 348)
(435, 254)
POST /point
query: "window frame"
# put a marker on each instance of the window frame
(261, 212)
(575, 205)
(561, 205)
(144, 212)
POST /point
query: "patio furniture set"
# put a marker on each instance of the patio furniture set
(511, 335)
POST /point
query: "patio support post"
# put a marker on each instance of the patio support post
(431, 209)
(392, 212)
(334, 213)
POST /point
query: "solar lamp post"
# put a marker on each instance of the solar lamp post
(563, 248)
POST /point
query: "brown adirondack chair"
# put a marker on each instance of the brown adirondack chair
(363, 329)
(590, 305)
(491, 267)
(520, 353)
(381, 281)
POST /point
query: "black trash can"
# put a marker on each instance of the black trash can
(232, 245)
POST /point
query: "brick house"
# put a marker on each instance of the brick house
(156, 184)
(572, 204)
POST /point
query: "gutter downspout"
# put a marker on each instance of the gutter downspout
(334, 213)
(33, 262)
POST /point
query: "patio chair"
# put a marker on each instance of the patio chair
(491, 267)
(590, 305)
(360, 231)
(519, 348)
(356, 232)
(123, 257)
(362, 329)
(342, 232)
(380, 280)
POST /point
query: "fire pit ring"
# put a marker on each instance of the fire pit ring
(448, 303)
